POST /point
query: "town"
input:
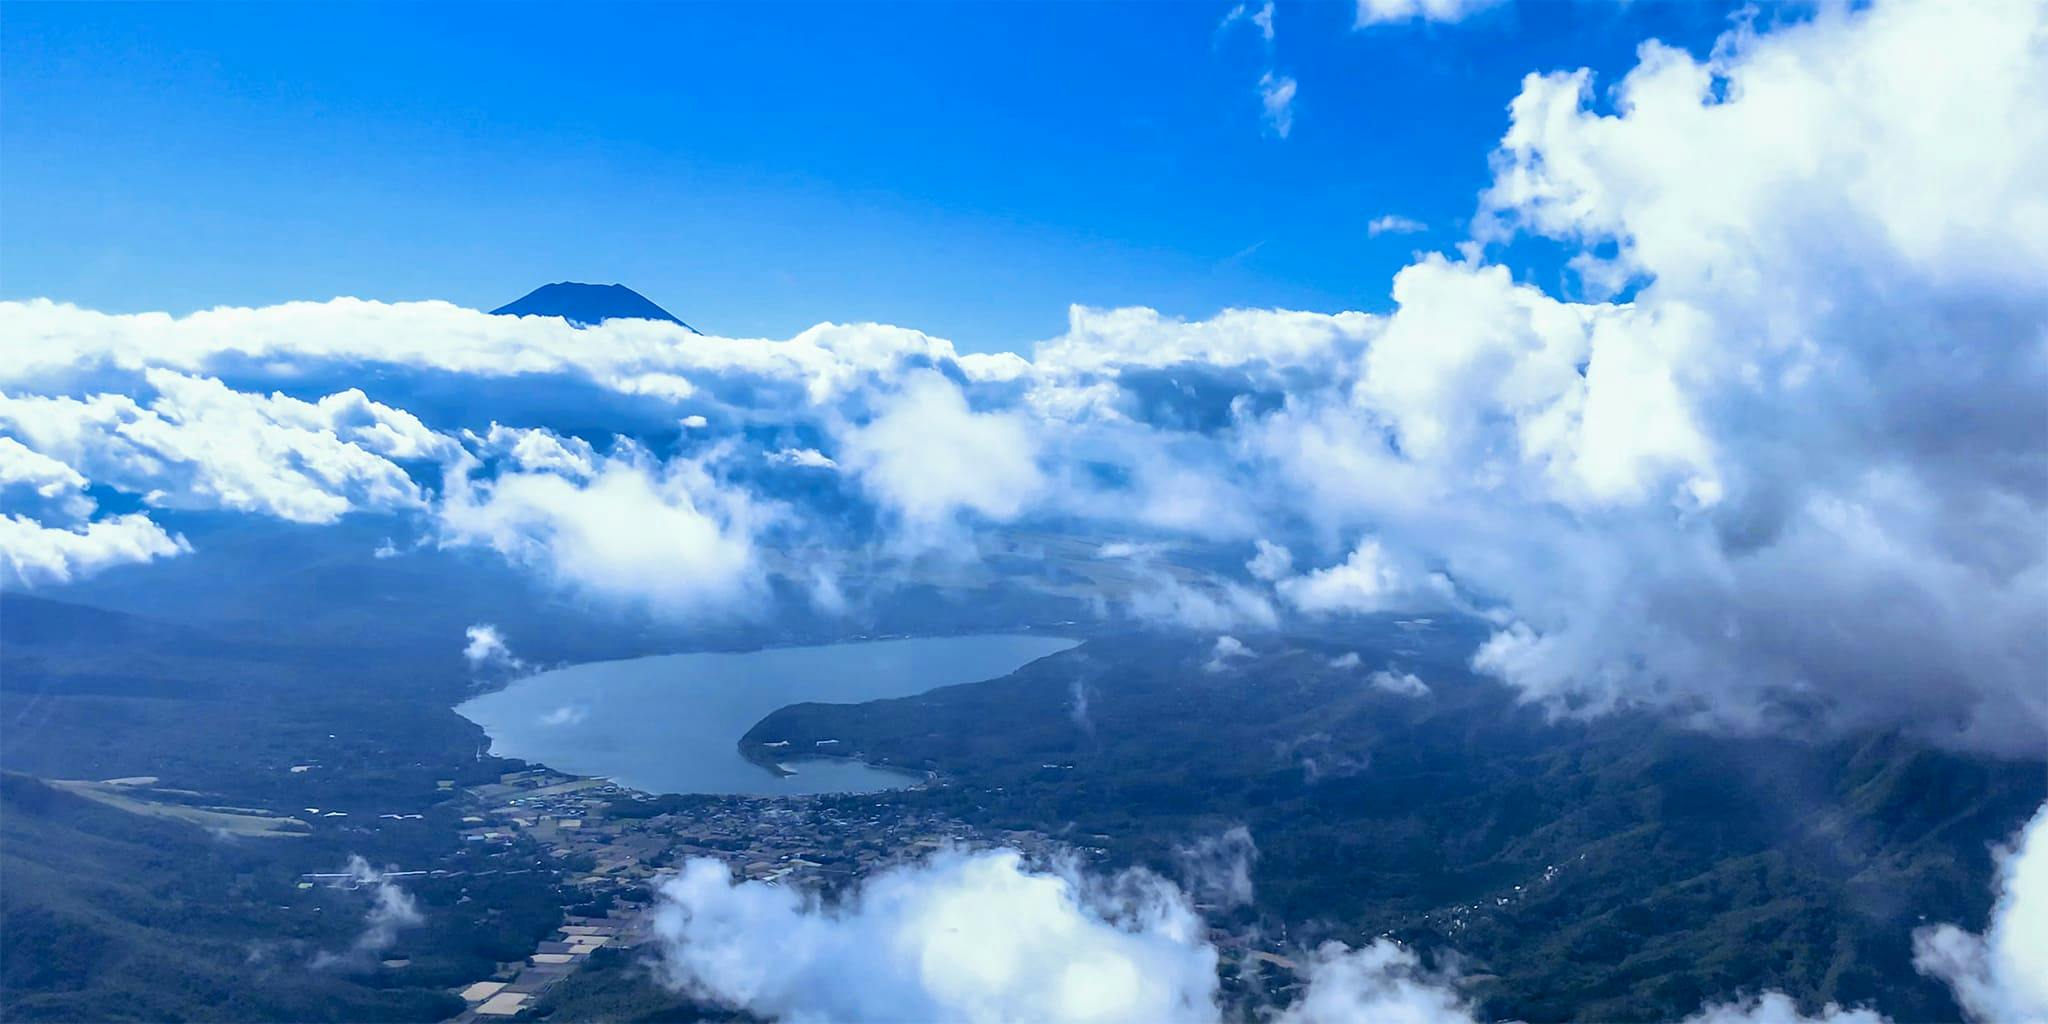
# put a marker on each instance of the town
(612, 845)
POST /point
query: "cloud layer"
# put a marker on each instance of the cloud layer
(1770, 455)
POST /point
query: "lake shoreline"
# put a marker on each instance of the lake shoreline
(680, 724)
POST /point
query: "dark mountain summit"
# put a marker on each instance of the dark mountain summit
(586, 305)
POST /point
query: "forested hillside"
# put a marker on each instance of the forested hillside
(1625, 869)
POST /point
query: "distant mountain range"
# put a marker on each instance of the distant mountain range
(587, 305)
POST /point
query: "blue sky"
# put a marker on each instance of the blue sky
(968, 170)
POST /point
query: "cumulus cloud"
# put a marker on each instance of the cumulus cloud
(537, 450)
(633, 530)
(1271, 561)
(33, 554)
(2001, 976)
(1398, 682)
(984, 936)
(1819, 405)
(50, 481)
(485, 648)
(200, 444)
(47, 533)
(961, 936)
(1227, 649)
(929, 457)
(805, 458)
(1814, 407)
(1381, 981)
(1366, 581)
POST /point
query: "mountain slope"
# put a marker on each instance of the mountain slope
(586, 305)
(1622, 869)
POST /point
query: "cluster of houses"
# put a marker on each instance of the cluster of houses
(518, 985)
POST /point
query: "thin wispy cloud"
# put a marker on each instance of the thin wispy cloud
(1276, 97)
(1394, 224)
(1381, 12)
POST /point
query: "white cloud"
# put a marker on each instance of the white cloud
(2000, 977)
(485, 647)
(1077, 705)
(200, 444)
(983, 936)
(1347, 660)
(1366, 581)
(1271, 562)
(959, 937)
(690, 548)
(1778, 1008)
(1398, 682)
(50, 480)
(1376, 12)
(825, 593)
(537, 450)
(1167, 599)
(806, 458)
(667, 386)
(1276, 97)
(1259, 18)
(1818, 404)
(1129, 549)
(1382, 981)
(1109, 340)
(1228, 649)
(54, 539)
(392, 910)
(291, 340)
(928, 457)
(35, 554)
(1793, 421)
(1394, 224)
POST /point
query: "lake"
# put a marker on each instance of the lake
(672, 723)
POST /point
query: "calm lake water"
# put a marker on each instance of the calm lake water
(672, 723)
